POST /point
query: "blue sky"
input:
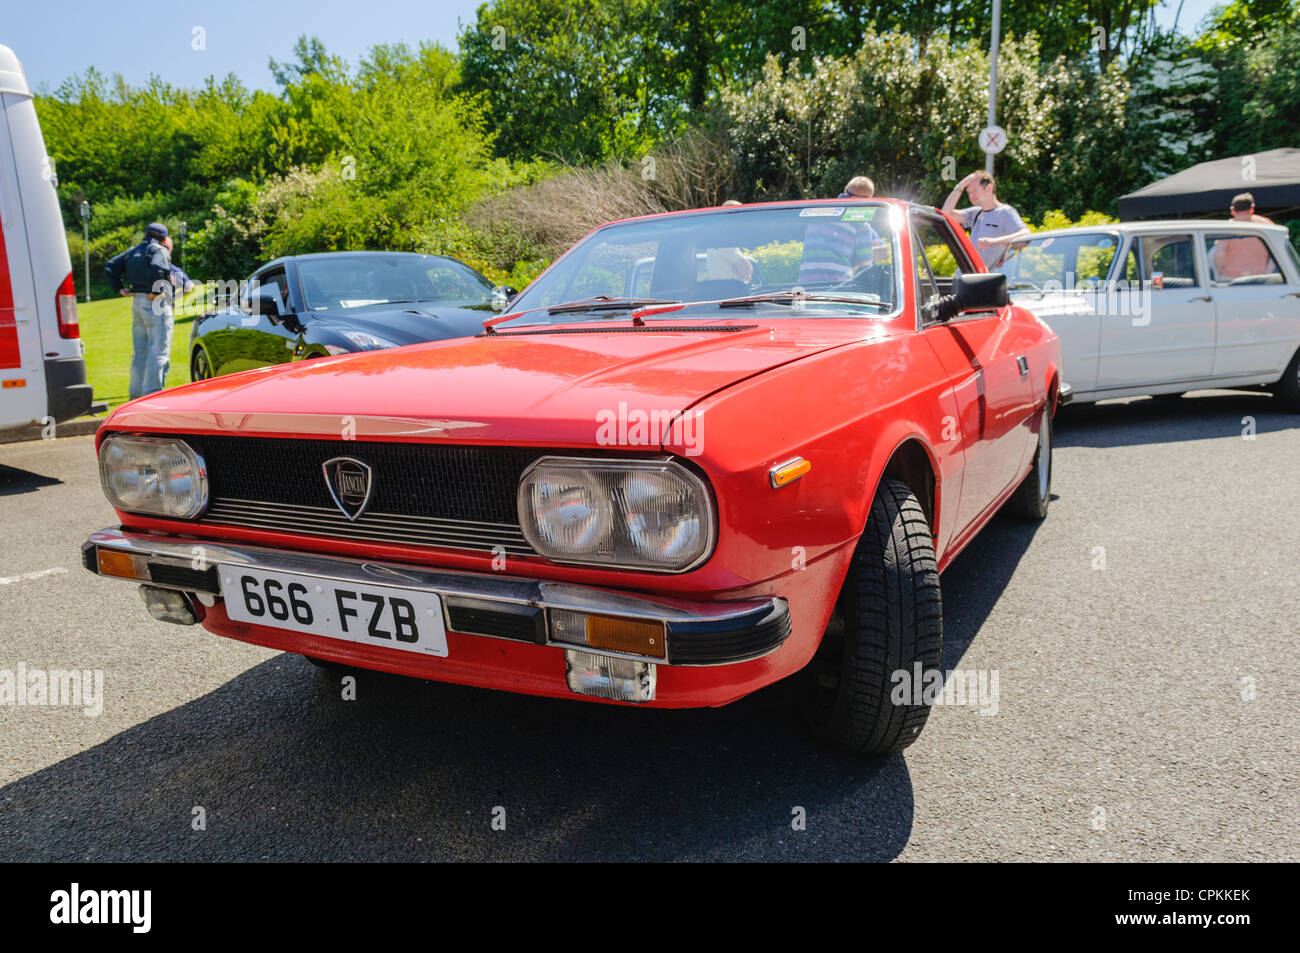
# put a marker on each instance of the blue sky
(57, 38)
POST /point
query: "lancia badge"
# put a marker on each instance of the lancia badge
(349, 481)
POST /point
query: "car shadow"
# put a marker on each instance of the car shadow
(1202, 415)
(14, 481)
(974, 581)
(284, 769)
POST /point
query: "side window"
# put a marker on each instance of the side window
(925, 283)
(1169, 261)
(272, 279)
(944, 253)
(1240, 260)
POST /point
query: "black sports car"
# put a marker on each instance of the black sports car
(310, 306)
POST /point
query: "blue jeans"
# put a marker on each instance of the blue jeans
(151, 337)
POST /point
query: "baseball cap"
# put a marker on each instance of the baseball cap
(156, 230)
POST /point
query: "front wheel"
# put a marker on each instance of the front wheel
(200, 370)
(868, 689)
(1035, 491)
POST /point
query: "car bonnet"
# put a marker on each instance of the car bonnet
(550, 386)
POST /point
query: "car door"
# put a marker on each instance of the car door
(1256, 304)
(1162, 329)
(990, 375)
(254, 340)
(1062, 279)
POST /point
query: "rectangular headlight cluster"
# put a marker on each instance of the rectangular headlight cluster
(153, 475)
(631, 514)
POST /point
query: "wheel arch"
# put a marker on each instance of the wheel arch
(912, 462)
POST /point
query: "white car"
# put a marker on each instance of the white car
(1165, 307)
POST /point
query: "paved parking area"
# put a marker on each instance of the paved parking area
(1143, 638)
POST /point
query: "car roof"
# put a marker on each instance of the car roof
(786, 203)
(311, 256)
(1163, 225)
(319, 255)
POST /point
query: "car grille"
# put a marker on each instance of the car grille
(423, 495)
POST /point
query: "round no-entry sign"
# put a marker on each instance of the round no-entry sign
(993, 139)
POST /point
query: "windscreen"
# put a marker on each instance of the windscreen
(1059, 262)
(340, 282)
(845, 250)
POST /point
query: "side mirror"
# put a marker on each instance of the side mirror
(502, 295)
(973, 292)
(267, 302)
(980, 292)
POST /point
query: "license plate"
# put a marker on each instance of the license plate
(405, 619)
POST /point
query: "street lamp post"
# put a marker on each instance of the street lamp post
(993, 78)
(85, 231)
(182, 231)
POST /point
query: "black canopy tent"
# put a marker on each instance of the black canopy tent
(1273, 179)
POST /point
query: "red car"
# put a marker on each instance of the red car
(703, 452)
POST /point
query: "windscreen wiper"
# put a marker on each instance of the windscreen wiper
(790, 297)
(606, 303)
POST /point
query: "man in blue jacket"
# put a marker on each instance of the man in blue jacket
(146, 269)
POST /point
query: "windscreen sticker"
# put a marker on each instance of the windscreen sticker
(822, 211)
(859, 215)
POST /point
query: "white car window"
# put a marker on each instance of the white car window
(1169, 261)
(1061, 261)
(1237, 259)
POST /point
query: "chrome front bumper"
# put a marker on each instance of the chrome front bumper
(494, 606)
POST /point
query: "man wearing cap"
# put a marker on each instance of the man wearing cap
(1242, 209)
(146, 268)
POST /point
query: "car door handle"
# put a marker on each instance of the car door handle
(1291, 294)
(1024, 365)
(1200, 298)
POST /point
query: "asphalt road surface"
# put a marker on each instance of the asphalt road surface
(1143, 637)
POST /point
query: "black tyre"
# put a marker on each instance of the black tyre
(1178, 396)
(1035, 491)
(1288, 388)
(200, 369)
(888, 619)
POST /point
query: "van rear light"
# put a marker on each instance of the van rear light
(65, 305)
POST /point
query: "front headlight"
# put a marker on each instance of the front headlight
(366, 341)
(156, 475)
(633, 514)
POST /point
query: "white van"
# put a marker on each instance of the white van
(42, 363)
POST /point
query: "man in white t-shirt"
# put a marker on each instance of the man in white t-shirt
(994, 226)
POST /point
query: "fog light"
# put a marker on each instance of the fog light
(609, 632)
(622, 680)
(168, 605)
